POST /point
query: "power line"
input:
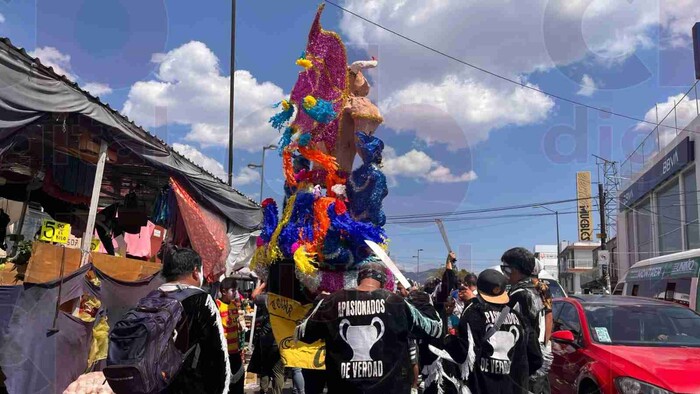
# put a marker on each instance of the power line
(493, 74)
(434, 215)
(431, 220)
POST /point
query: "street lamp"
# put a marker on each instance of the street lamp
(556, 213)
(418, 260)
(261, 166)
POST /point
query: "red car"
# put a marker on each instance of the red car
(625, 345)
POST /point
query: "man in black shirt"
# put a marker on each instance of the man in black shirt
(210, 373)
(366, 332)
(518, 266)
(495, 348)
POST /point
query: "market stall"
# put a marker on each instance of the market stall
(109, 193)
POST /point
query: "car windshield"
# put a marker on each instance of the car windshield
(554, 288)
(643, 325)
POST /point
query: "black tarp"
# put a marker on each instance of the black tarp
(29, 91)
(35, 360)
(118, 296)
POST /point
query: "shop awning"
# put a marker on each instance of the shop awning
(30, 91)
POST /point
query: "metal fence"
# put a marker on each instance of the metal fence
(665, 131)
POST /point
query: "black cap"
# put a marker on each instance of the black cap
(491, 285)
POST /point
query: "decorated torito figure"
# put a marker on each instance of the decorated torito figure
(367, 184)
(359, 114)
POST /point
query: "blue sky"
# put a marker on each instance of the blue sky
(458, 139)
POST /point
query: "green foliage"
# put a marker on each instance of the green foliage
(24, 251)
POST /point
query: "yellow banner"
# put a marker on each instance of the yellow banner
(585, 204)
(285, 314)
(53, 231)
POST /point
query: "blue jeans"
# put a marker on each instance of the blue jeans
(297, 381)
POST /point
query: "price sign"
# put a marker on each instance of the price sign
(95, 244)
(53, 231)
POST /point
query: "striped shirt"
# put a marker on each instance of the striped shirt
(229, 319)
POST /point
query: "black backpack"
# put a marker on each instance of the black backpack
(144, 346)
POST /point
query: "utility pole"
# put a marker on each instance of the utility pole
(603, 236)
(233, 69)
(417, 256)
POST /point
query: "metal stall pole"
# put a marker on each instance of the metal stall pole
(94, 201)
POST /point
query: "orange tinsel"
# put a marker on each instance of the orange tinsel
(327, 162)
(321, 220)
(288, 168)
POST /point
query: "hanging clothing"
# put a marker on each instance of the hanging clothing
(139, 245)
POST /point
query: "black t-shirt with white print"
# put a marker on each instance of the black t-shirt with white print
(503, 362)
(366, 336)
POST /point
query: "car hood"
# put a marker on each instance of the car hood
(666, 367)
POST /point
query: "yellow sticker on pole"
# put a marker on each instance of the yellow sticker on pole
(95, 244)
(53, 231)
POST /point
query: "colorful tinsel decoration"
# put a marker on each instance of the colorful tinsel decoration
(304, 62)
(281, 118)
(269, 219)
(327, 213)
(318, 109)
(304, 139)
(285, 139)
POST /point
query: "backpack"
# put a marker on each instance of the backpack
(144, 346)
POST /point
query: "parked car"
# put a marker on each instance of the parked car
(626, 345)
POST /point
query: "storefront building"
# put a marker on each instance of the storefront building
(658, 220)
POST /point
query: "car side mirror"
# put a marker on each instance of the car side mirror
(565, 337)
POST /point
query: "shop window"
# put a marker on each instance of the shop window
(668, 214)
(692, 226)
(631, 244)
(643, 227)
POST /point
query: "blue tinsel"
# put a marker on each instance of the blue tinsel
(321, 112)
(270, 220)
(279, 119)
(369, 147)
(336, 255)
(366, 190)
(304, 139)
(356, 232)
(285, 139)
(301, 219)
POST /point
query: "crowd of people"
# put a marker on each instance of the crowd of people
(480, 334)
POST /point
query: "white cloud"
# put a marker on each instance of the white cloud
(418, 165)
(462, 111)
(244, 177)
(190, 88)
(97, 89)
(530, 36)
(52, 57)
(2, 18)
(588, 86)
(686, 111)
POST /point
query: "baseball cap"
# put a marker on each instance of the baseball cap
(492, 287)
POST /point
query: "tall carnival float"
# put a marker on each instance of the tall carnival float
(315, 242)
(329, 209)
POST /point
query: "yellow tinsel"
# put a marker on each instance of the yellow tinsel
(304, 63)
(259, 257)
(309, 102)
(285, 105)
(303, 261)
(273, 250)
